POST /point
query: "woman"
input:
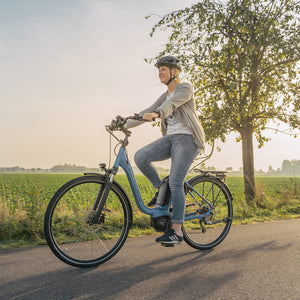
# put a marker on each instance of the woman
(182, 140)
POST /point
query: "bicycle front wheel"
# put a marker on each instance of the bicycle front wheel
(69, 233)
(206, 233)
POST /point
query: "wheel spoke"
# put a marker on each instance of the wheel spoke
(208, 231)
(73, 236)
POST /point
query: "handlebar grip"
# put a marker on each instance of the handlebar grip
(137, 117)
(113, 125)
(119, 122)
(140, 118)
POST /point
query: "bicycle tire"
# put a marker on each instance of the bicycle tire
(68, 233)
(206, 233)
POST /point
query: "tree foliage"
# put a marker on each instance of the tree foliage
(242, 57)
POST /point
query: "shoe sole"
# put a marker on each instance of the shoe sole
(170, 243)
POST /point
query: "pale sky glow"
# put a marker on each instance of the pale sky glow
(69, 67)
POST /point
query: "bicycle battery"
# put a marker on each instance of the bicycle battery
(164, 194)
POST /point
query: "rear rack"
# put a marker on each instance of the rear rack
(218, 174)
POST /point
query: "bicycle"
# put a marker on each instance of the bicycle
(88, 219)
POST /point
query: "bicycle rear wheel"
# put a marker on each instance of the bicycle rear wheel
(206, 233)
(72, 237)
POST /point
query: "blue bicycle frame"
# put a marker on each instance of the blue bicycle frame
(123, 161)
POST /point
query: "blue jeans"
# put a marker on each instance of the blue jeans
(182, 150)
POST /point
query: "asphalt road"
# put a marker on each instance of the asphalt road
(257, 261)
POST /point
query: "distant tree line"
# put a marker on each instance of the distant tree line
(287, 168)
(66, 168)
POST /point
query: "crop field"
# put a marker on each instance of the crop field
(24, 198)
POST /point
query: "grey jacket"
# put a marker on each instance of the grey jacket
(182, 105)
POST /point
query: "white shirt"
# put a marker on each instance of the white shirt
(174, 126)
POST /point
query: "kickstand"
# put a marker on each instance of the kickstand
(203, 229)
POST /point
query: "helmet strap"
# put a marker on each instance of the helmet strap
(171, 78)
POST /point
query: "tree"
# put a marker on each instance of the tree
(290, 167)
(243, 59)
(271, 170)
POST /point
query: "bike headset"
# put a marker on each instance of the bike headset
(171, 62)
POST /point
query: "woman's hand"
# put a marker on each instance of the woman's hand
(150, 116)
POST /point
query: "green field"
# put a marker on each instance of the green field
(24, 198)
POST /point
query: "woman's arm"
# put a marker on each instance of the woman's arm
(149, 110)
(182, 94)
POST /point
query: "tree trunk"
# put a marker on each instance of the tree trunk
(248, 162)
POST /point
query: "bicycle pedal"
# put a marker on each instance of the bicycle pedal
(167, 245)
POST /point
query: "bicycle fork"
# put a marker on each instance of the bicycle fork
(96, 216)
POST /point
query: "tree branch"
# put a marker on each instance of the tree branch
(270, 68)
(281, 131)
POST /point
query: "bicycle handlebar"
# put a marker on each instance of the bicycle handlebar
(118, 124)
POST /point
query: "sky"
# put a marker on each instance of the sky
(68, 67)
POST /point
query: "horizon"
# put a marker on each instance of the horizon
(136, 169)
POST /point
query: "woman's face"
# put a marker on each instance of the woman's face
(164, 74)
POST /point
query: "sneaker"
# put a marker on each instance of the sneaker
(153, 201)
(170, 237)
